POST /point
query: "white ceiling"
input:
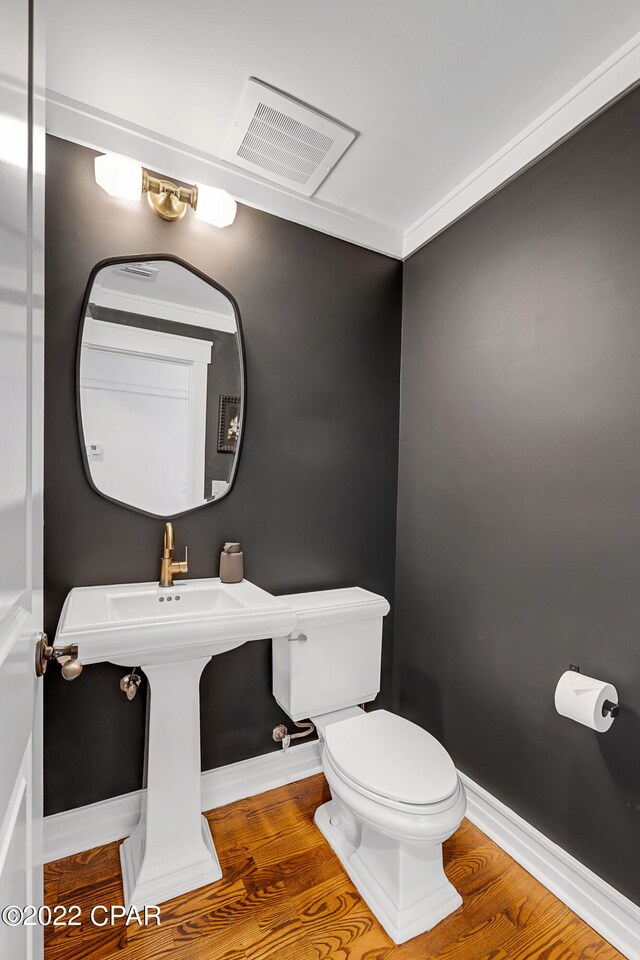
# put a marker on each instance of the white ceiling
(435, 87)
(170, 284)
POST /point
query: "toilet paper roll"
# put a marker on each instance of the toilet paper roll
(581, 698)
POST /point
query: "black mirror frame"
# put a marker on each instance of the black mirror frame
(138, 258)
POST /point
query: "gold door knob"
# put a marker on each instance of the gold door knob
(71, 669)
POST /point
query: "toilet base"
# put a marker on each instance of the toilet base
(403, 884)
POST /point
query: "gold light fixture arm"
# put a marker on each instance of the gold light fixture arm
(168, 199)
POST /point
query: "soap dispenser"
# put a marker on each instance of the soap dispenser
(231, 563)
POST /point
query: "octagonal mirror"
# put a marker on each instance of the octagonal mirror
(160, 385)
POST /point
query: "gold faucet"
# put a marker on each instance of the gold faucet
(169, 565)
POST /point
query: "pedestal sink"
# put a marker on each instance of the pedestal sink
(172, 633)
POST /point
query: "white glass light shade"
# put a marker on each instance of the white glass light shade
(215, 206)
(119, 176)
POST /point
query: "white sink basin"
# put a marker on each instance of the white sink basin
(171, 633)
(146, 603)
(144, 624)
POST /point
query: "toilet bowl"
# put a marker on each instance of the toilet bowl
(395, 792)
(395, 797)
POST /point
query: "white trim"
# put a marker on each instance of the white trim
(119, 386)
(137, 341)
(12, 812)
(614, 917)
(198, 383)
(617, 74)
(164, 310)
(99, 823)
(81, 123)
(14, 621)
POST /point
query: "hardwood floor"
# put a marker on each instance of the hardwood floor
(284, 895)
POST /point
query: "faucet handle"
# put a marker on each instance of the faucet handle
(183, 565)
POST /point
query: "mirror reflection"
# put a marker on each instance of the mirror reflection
(160, 386)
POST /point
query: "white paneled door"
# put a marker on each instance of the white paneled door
(21, 416)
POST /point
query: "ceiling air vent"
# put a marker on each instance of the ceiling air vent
(143, 271)
(283, 140)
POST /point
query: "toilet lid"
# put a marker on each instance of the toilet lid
(391, 757)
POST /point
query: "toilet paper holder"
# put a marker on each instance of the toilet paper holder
(608, 707)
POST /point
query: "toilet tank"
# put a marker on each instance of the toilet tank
(338, 664)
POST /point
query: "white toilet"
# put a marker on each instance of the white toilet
(396, 795)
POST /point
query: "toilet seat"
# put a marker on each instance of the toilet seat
(389, 759)
(410, 811)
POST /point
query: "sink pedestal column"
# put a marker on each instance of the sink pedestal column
(171, 850)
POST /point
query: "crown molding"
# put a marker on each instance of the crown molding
(86, 125)
(166, 310)
(80, 123)
(609, 81)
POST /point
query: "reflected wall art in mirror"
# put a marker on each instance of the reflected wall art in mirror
(160, 385)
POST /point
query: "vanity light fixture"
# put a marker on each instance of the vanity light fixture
(125, 178)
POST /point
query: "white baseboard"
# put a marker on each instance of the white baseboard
(614, 917)
(99, 823)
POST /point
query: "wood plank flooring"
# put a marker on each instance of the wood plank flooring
(285, 895)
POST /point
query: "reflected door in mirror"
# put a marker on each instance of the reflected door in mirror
(160, 372)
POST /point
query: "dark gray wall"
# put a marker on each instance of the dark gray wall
(314, 502)
(519, 490)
